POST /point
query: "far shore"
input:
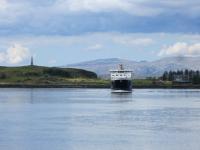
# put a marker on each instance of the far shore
(53, 77)
(96, 86)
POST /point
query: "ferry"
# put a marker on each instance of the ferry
(121, 80)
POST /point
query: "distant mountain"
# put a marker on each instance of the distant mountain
(140, 69)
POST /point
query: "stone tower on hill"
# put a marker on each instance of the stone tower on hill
(32, 61)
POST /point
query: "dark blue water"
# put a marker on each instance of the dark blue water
(95, 119)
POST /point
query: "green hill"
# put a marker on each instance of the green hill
(40, 71)
(39, 75)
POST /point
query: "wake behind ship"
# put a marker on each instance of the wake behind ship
(121, 80)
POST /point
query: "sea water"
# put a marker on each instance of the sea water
(96, 119)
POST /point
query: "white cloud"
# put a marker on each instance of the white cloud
(130, 41)
(12, 12)
(131, 7)
(73, 16)
(14, 54)
(3, 5)
(43, 9)
(97, 5)
(95, 47)
(181, 49)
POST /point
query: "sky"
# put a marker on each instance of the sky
(61, 32)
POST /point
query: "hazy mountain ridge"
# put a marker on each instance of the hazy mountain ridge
(142, 68)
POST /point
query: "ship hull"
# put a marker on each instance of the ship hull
(121, 86)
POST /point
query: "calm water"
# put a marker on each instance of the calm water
(95, 119)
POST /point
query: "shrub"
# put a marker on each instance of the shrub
(3, 76)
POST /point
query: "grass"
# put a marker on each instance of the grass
(142, 82)
(151, 82)
(54, 81)
(39, 75)
(40, 71)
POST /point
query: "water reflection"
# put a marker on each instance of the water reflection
(121, 97)
(87, 119)
(32, 96)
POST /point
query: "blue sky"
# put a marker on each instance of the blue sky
(59, 32)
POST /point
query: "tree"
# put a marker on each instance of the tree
(165, 76)
(186, 73)
(170, 77)
(191, 73)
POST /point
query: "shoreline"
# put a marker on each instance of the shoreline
(96, 86)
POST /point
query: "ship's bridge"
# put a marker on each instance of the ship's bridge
(121, 74)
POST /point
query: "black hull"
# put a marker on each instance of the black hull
(121, 85)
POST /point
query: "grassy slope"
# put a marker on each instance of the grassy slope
(45, 75)
(40, 71)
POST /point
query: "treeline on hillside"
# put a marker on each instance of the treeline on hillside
(182, 75)
(39, 71)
